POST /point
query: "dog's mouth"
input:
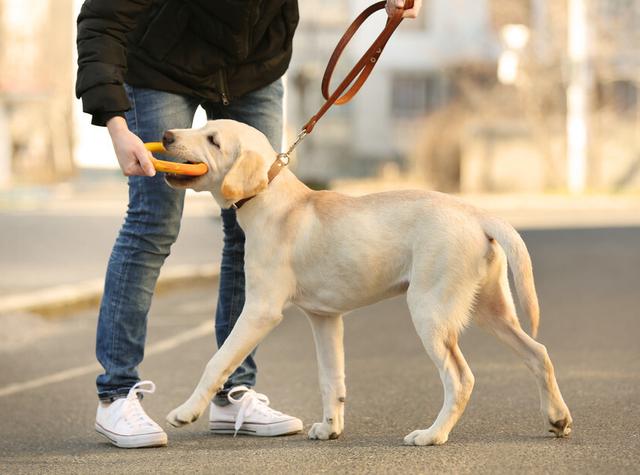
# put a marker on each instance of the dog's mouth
(183, 177)
(181, 181)
(183, 161)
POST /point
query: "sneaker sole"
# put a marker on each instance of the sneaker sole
(260, 430)
(155, 439)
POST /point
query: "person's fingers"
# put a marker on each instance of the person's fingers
(145, 163)
(393, 6)
(133, 169)
(413, 11)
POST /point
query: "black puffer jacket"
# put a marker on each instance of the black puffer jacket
(212, 49)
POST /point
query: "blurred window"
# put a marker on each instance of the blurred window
(414, 95)
(624, 97)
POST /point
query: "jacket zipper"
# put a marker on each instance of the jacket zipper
(224, 90)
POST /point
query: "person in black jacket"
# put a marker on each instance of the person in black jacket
(144, 66)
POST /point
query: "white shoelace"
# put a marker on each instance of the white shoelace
(132, 410)
(249, 403)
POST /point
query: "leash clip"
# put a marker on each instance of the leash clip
(283, 157)
(301, 135)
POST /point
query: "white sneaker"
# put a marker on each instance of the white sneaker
(249, 413)
(125, 423)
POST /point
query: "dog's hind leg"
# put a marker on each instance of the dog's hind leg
(438, 316)
(328, 334)
(496, 312)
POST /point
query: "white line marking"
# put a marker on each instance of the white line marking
(204, 329)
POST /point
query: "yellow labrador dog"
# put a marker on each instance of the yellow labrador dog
(329, 254)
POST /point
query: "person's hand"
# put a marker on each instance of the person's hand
(394, 5)
(133, 157)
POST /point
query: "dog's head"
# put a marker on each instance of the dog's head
(237, 155)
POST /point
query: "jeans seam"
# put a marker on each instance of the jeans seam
(117, 305)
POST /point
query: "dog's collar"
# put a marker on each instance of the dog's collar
(281, 161)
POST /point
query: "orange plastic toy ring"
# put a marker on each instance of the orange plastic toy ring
(191, 169)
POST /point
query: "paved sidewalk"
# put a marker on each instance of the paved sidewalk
(531, 211)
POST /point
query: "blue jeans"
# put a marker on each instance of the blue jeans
(150, 228)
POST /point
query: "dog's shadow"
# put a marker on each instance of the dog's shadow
(300, 442)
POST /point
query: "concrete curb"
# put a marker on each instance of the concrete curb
(59, 300)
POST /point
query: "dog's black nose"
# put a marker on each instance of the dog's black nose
(168, 138)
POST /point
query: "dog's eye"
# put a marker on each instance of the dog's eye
(212, 141)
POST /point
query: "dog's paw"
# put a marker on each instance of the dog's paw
(322, 431)
(561, 427)
(425, 437)
(182, 416)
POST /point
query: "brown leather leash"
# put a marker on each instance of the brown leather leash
(356, 77)
(361, 71)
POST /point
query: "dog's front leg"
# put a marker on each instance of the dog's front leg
(252, 326)
(328, 334)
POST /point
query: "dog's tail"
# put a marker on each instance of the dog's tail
(520, 263)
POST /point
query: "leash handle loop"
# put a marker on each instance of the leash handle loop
(361, 71)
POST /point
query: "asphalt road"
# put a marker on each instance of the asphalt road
(40, 250)
(588, 286)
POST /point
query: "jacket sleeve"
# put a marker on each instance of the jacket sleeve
(103, 26)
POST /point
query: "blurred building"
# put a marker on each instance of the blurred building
(411, 81)
(471, 96)
(436, 109)
(616, 98)
(36, 90)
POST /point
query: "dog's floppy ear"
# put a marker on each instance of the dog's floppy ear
(247, 177)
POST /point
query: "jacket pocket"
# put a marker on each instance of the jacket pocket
(165, 29)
